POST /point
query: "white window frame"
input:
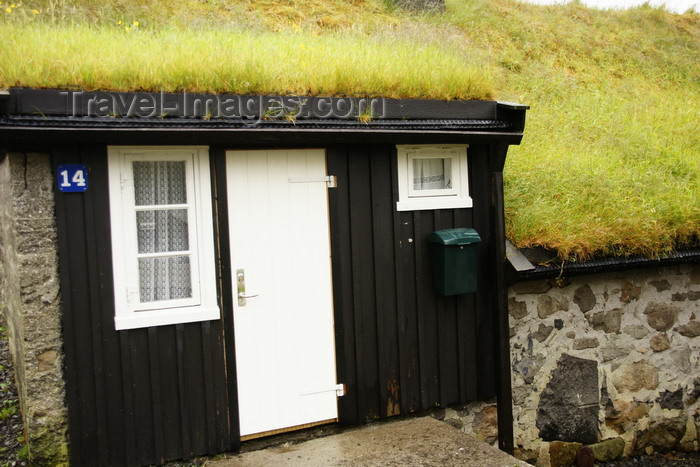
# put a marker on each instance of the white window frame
(457, 196)
(130, 312)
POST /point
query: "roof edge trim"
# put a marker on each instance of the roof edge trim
(77, 103)
(567, 269)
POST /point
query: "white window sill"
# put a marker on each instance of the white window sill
(144, 319)
(422, 204)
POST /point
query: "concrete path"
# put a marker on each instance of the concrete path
(414, 442)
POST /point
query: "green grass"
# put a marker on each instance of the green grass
(610, 162)
(238, 61)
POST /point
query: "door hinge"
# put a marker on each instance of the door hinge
(338, 388)
(331, 180)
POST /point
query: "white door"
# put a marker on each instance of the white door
(285, 351)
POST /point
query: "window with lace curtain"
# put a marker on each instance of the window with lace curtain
(432, 177)
(162, 236)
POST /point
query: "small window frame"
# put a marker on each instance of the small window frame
(202, 305)
(456, 196)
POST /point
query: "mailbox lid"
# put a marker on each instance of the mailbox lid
(459, 236)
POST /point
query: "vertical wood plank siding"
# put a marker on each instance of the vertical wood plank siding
(401, 347)
(135, 397)
(146, 396)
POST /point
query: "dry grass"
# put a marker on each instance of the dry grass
(295, 59)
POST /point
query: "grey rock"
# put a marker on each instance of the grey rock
(624, 415)
(542, 332)
(520, 394)
(485, 424)
(696, 389)
(517, 309)
(671, 399)
(636, 330)
(681, 359)
(630, 292)
(584, 298)
(660, 342)
(613, 351)
(586, 343)
(608, 321)
(547, 305)
(661, 316)
(528, 367)
(635, 376)
(691, 329)
(695, 393)
(568, 407)
(662, 435)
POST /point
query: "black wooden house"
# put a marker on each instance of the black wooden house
(237, 266)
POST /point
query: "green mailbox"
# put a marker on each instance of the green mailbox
(454, 253)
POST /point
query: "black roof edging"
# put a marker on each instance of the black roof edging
(568, 269)
(153, 117)
(77, 103)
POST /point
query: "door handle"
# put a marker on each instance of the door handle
(245, 295)
(240, 285)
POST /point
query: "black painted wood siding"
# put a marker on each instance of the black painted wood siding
(146, 396)
(401, 347)
(135, 397)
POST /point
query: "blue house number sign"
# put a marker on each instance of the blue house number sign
(72, 178)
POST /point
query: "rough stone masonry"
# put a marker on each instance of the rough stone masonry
(608, 358)
(30, 301)
(605, 366)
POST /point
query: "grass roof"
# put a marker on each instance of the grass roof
(610, 163)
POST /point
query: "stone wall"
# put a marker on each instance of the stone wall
(30, 301)
(609, 363)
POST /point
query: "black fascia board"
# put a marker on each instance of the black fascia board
(553, 270)
(76, 103)
(26, 113)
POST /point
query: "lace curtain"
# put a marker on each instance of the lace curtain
(162, 230)
(432, 174)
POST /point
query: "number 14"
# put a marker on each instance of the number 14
(78, 178)
(72, 178)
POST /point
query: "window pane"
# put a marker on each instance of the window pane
(161, 231)
(159, 182)
(432, 174)
(164, 278)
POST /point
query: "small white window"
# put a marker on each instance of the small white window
(162, 236)
(432, 177)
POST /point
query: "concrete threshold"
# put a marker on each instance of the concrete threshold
(420, 441)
